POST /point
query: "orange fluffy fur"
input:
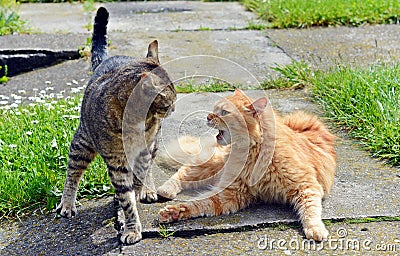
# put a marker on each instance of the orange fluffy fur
(265, 158)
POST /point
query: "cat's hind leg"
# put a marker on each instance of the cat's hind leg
(80, 156)
(308, 204)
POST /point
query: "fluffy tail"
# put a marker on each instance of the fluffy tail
(99, 38)
(311, 127)
(190, 151)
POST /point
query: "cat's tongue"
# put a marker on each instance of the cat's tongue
(220, 135)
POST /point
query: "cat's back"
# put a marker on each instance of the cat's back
(110, 65)
(312, 128)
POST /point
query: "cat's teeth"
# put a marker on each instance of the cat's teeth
(220, 135)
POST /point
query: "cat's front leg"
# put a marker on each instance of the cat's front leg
(126, 185)
(143, 171)
(171, 188)
(148, 192)
(131, 231)
(224, 202)
(309, 207)
(188, 177)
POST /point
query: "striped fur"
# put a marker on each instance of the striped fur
(271, 159)
(121, 114)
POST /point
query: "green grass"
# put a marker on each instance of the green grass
(210, 86)
(34, 144)
(294, 76)
(365, 101)
(307, 13)
(10, 22)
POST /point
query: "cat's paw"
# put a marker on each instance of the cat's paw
(130, 237)
(318, 233)
(66, 209)
(167, 192)
(173, 213)
(147, 195)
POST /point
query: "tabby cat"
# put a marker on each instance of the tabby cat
(120, 118)
(259, 156)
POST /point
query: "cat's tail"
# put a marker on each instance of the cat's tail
(190, 151)
(99, 38)
(311, 127)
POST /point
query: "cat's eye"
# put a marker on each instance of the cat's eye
(224, 112)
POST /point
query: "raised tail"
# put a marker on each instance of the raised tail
(99, 38)
(190, 151)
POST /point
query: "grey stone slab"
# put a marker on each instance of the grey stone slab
(139, 16)
(326, 47)
(178, 15)
(54, 42)
(379, 238)
(235, 56)
(55, 18)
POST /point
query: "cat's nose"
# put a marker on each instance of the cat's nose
(209, 117)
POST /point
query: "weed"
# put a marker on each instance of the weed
(201, 28)
(208, 86)
(164, 232)
(10, 22)
(256, 26)
(88, 7)
(4, 79)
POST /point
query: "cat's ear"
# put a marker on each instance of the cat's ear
(143, 79)
(239, 92)
(152, 51)
(258, 106)
(143, 76)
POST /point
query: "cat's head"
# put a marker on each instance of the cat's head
(157, 86)
(160, 91)
(237, 118)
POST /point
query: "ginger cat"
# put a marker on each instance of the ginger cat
(259, 156)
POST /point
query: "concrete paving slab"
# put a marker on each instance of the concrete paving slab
(139, 16)
(178, 15)
(236, 55)
(325, 47)
(55, 18)
(381, 238)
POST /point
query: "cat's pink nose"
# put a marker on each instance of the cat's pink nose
(209, 118)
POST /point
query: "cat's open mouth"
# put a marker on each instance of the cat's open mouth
(220, 135)
(223, 137)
